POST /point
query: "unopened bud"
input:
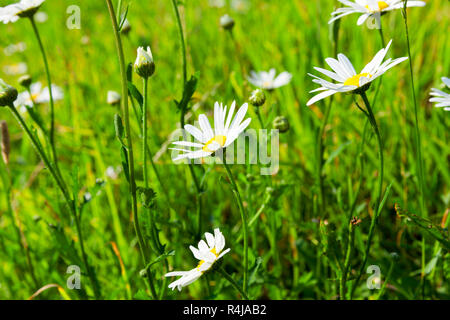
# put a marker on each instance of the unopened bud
(113, 98)
(258, 98)
(25, 81)
(126, 27)
(281, 123)
(8, 94)
(5, 142)
(144, 65)
(226, 22)
(143, 273)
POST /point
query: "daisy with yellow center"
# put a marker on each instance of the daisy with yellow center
(38, 95)
(226, 131)
(269, 80)
(207, 253)
(369, 8)
(347, 80)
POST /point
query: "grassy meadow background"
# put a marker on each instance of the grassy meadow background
(294, 243)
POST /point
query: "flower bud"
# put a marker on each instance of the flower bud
(258, 98)
(5, 142)
(25, 81)
(281, 123)
(113, 98)
(126, 27)
(226, 22)
(8, 94)
(144, 65)
(143, 273)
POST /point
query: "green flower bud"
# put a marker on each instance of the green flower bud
(281, 123)
(126, 27)
(226, 22)
(8, 94)
(25, 81)
(143, 273)
(144, 65)
(258, 98)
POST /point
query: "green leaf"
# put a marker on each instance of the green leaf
(134, 92)
(160, 258)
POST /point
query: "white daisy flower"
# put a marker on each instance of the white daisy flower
(442, 98)
(208, 253)
(16, 69)
(268, 81)
(209, 140)
(113, 97)
(39, 95)
(23, 8)
(13, 48)
(347, 80)
(369, 8)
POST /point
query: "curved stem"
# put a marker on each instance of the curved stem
(232, 282)
(182, 43)
(50, 91)
(124, 81)
(237, 196)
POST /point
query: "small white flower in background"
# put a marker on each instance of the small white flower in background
(113, 98)
(21, 9)
(113, 173)
(224, 133)
(442, 98)
(39, 95)
(217, 3)
(346, 77)
(41, 17)
(268, 81)
(368, 8)
(240, 5)
(16, 69)
(208, 253)
(13, 48)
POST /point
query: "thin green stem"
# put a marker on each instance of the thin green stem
(182, 43)
(182, 119)
(419, 159)
(144, 132)
(237, 196)
(232, 282)
(50, 91)
(350, 246)
(137, 228)
(377, 208)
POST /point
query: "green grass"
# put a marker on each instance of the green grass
(292, 255)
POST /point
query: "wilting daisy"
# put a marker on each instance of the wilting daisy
(369, 8)
(21, 9)
(39, 95)
(208, 253)
(211, 140)
(442, 98)
(268, 81)
(347, 80)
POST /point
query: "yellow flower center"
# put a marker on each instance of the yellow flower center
(34, 96)
(354, 81)
(213, 250)
(381, 6)
(266, 84)
(217, 139)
